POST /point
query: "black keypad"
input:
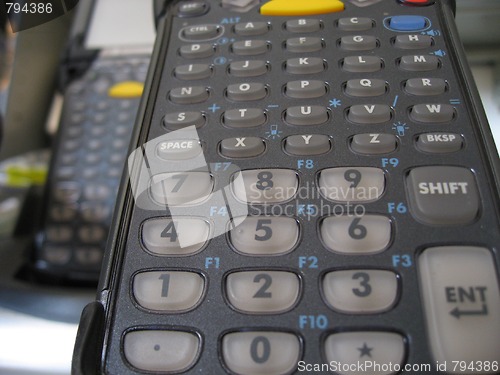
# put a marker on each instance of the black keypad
(96, 125)
(303, 120)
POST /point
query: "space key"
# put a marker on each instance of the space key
(462, 304)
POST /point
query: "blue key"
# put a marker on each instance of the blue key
(407, 23)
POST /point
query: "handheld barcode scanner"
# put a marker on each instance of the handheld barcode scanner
(312, 186)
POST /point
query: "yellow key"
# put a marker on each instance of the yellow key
(127, 89)
(301, 7)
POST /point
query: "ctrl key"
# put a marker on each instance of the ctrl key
(461, 300)
(161, 351)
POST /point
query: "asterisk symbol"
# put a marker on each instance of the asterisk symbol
(365, 350)
(335, 103)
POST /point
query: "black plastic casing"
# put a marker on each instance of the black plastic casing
(99, 346)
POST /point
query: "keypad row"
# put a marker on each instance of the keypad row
(303, 26)
(435, 193)
(264, 186)
(361, 291)
(307, 115)
(355, 64)
(294, 26)
(307, 25)
(258, 352)
(254, 47)
(297, 115)
(267, 235)
(308, 145)
(365, 87)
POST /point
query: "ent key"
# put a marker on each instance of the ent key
(461, 301)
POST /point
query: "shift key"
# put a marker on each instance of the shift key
(443, 195)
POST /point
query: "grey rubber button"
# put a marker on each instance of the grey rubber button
(244, 117)
(432, 113)
(422, 63)
(306, 115)
(246, 91)
(366, 87)
(96, 191)
(266, 185)
(358, 42)
(91, 234)
(443, 195)
(248, 68)
(425, 86)
(88, 256)
(193, 71)
(179, 120)
(362, 64)
(368, 234)
(307, 144)
(188, 95)
(161, 351)
(67, 192)
(352, 184)
(305, 89)
(168, 291)
(369, 113)
(59, 255)
(197, 51)
(178, 149)
(266, 235)
(192, 9)
(461, 299)
(361, 291)
(200, 32)
(260, 352)
(305, 65)
(303, 25)
(180, 236)
(353, 348)
(413, 41)
(250, 47)
(59, 233)
(251, 28)
(68, 212)
(181, 188)
(355, 24)
(440, 143)
(304, 44)
(373, 143)
(262, 291)
(242, 147)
